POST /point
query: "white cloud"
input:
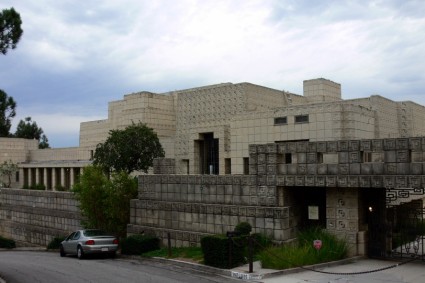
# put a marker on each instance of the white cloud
(63, 127)
(94, 51)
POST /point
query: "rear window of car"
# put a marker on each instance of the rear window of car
(91, 233)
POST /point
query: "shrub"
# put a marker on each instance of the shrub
(39, 187)
(138, 244)
(55, 243)
(60, 188)
(260, 242)
(216, 249)
(244, 228)
(7, 243)
(302, 252)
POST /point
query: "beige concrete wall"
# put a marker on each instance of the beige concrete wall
(36, 217)
(16, 149)
(60, 154)
(244, 113)
(317, 90)
(327, 121)
(93, 132)
(155, 110)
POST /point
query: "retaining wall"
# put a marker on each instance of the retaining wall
(36, 217)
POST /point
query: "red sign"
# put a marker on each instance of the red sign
(317, 244)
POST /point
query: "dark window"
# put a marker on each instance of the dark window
(17, 176)
(76, 236)
(288, 158)
(246, 166)
(227, 166)
(367, 157)
(281, 121)
(301, 119)
(91, 233)
(319, 157)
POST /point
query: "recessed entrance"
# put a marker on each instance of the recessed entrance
(208, 154)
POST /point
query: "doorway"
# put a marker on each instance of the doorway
(208, 154)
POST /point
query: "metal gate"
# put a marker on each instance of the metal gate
(398, 230)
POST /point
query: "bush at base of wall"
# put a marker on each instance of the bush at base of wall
(55, 243)
(138, 244)
(7, 243)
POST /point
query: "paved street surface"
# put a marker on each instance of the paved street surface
(47, 267)
(40, 266)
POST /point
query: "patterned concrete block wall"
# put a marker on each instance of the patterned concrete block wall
(36, 217)
(342, 213)
(190, 206)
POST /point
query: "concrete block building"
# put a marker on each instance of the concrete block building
(209, 129)
(244, 152)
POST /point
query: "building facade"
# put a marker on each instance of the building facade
(208, 130)
(244, 152)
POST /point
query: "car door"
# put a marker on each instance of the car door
(67, 243)
(73, 243)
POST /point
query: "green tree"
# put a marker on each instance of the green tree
(29, 130)
(7, 169)
(7, 112)
(43, 142)
(10, 29)
(128, 150)
(105, 203)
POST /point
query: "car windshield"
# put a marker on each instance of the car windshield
(91, 233)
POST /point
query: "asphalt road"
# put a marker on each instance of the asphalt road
(46, 267)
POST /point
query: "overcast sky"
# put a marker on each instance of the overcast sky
(76, 56)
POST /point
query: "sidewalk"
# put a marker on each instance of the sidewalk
(368, 271)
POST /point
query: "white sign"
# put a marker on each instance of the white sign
(313, 213)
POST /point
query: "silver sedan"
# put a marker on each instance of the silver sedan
(92, 241)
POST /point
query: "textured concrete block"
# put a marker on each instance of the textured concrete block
(343, 157)
(355, 169)
(271, 148)
(322, 147)
(403, 156)
(271, 169)
(366, 169)
(322, 169)
(302, 146)
(401, 181)
(389, 144)
(378, 168)
(355, 157)
(343, 145)
(302, 169)
(403, 168)
(333, 169)
(311, 169)
(292, 169)
(282, 169)
(415, 144)
(344, 169)
(414, 181)
(390, 168)
(402, 144)
(364, 182)
(331, 146)
(301, 157)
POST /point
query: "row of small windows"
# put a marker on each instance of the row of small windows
(284, 120)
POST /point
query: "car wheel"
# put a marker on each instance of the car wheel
(113, 255)
(80, 253)
(62, 251)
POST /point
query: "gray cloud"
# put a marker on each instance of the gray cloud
(75, 57)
